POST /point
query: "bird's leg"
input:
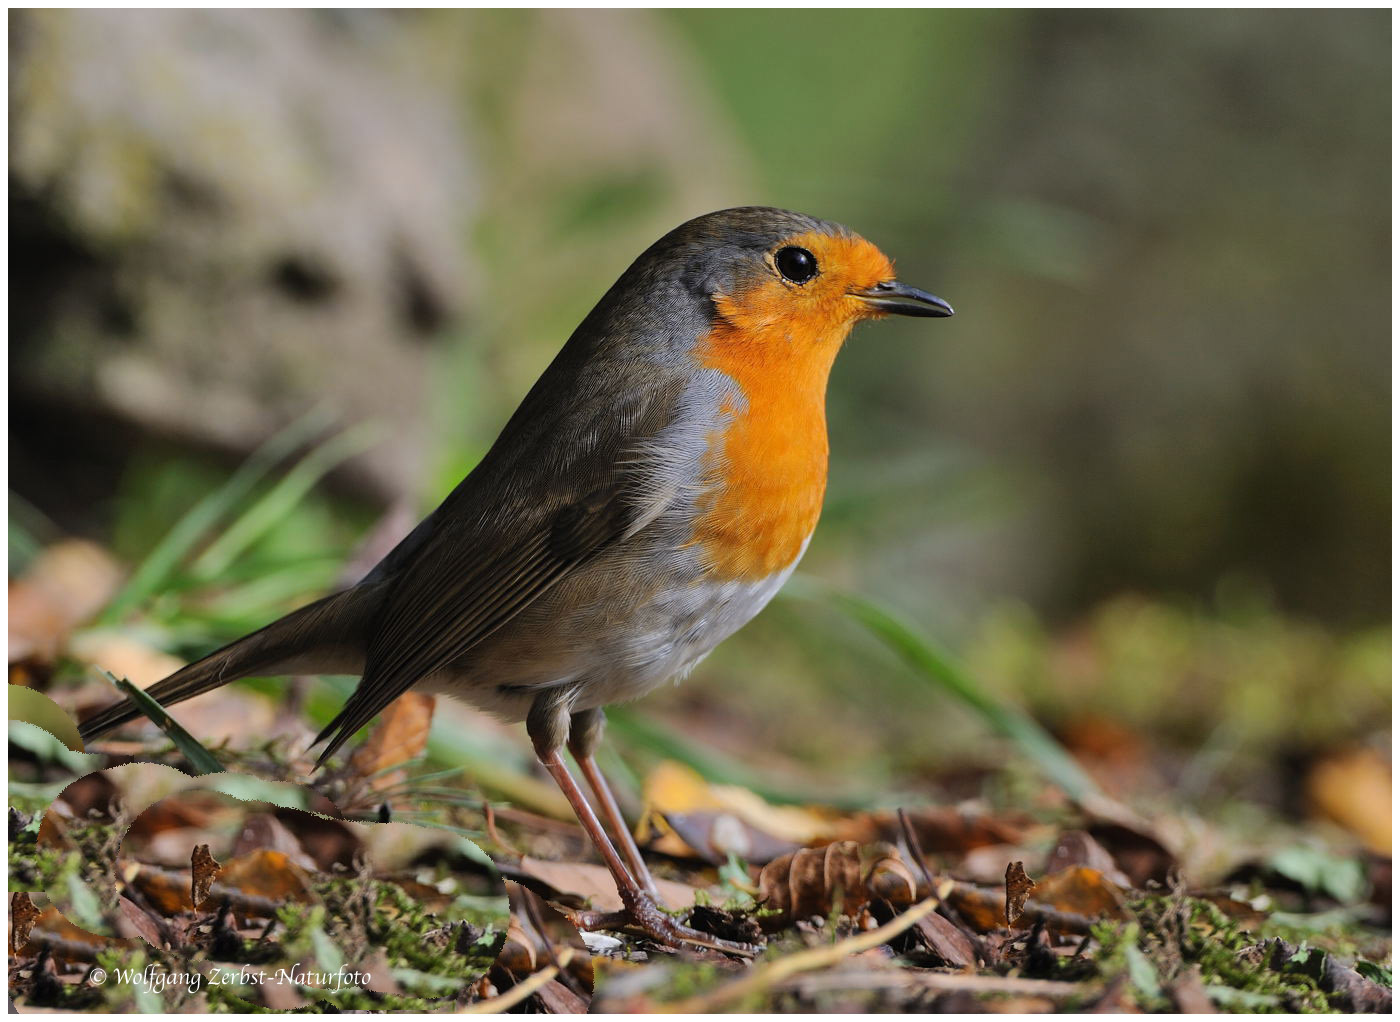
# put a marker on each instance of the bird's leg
(547, 725)
(585, 731)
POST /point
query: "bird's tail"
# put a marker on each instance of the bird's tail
(327, 636)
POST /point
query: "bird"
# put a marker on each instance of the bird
(653, 491)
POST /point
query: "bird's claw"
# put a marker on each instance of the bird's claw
(642, 913)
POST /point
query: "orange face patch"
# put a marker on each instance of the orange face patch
(766, 471)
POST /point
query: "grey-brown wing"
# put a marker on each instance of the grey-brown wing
(478, 567)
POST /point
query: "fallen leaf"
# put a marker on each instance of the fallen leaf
(940, 830)
(1353, 789)
(1140, 855)
(946, 941)
(264, 830)
(124, 656)
(66, 584)
(53, 931)
(536, 935)
(517, 955)
(1078, 848)
(138, 923)
(263, 876)
(332, 843)
(675, 789)
(714, 836)
(558, 999)
(1018, 889)
(204, 868)
(1082, 891)
(23, 915)
(891, 879)
(167, 891)
(92, 796)
(594, 884)
(400, 737)
(808, 883)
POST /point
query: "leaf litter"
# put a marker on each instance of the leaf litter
(1061, 906)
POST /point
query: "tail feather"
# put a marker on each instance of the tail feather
(327, 636)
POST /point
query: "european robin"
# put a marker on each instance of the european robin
(651, 494)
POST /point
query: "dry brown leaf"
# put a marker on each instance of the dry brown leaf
(558, 999)
(1140, 854)
(265, 876)
(1352, 788)
(946, 941)
(264, 830)
(65, 585)
(23, 915)
(891, 879)
(1018, 889)
(165, 890)
(1082, 891)
(1078, 848)
(808, 883)
(714, 836)
(673, 789)
(400, 736)
(204, 869)
(536, 937)
(125, 656)
(984, 912)
(940, 830)
(137, 922)
(517, 955)
(53, 931)
(333, 843)
(595, 884)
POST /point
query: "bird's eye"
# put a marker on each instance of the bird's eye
(796, 264)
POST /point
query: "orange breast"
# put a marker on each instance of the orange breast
(765, 470)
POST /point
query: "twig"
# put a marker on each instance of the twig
(766, 976)
(495, 835)
(521, 990)
(530, 902)
(915, 849)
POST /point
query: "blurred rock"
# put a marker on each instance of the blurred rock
(220, 218)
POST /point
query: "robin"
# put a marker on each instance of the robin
(651, 494)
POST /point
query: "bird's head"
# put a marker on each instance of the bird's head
(789, 277)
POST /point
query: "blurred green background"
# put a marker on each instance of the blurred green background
(1141, 476)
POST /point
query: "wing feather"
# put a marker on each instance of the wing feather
(478, 568)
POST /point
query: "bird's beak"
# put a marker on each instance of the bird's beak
(891, 296)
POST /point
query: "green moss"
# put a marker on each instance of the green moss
(1170, 934)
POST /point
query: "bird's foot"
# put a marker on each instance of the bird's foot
(643, 913)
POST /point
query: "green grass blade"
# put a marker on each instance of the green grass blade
(939, 667)
(278, 502)
(152, 573)
(199, 757)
